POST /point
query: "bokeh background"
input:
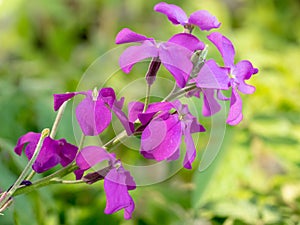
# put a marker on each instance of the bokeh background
(45, 48)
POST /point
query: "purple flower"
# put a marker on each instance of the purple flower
(94, 112)
(237, 74)
(174, 54)
(52, 152)
(117, 180)
(165, 123)
(202, 18)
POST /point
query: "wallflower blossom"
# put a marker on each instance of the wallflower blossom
(94, 112)
(237, 74)
(53, 152)
(161, 136)
(175, 54)
(202, 18)
(117, 180)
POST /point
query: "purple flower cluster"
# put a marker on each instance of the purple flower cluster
(161, 125)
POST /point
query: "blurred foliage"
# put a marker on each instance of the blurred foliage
(46, 46)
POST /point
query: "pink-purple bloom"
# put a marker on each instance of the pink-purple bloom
(117, 180)
(164, 125)
(175, 54)
(94, 113)
(236, 76)
(201, 18)
(52, 152)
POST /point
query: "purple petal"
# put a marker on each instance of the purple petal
(210, 104)
(92, 116)
(31, 138)
(235, 112)
(59, 99)
(128, 36)
(221, 96)
(66, 151)
(212, 76)
(243, 71)
(174, 13)
(152, 109)
(90, 156)
(135, 54)
(224, 46)
(123, 119)
(48, 156)
(179, 65)
(134, 109)
(204, 20)
(190, 148)
(162, 137)
(188, 41)
(116, 190)
(107, 95)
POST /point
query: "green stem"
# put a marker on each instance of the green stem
(58, 119)
(147, 98)
(46, 180)
(27, 168)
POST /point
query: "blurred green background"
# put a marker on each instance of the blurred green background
(46, 46)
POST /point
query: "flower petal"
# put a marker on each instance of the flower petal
(235, 112)
(243, 71)
(134, 109)
(116, 190)
(204, 20)
(128, 36)
(212, 76)
(174, 13)
(152, 109)
(66, 151)
(224, 46)
(117, 109)
(210, 104)
(188, 41)
(135, 54)
(162, 137)
(90, 156)
(190, 147)
(179, 65)
(59, 99)
(31, 138)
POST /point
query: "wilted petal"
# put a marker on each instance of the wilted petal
(188, 41)
(128, 36)
(179, 65)
(162, 137)
(135, 54)
(212, 76)
(116, 188)
(204, 20)
(235, 112)
(174, 13)
(90, 156)
(224, 46)
(210, 104)
(243, 71)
